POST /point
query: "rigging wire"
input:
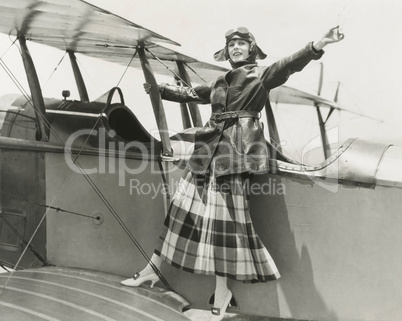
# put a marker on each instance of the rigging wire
(198, 75)
(8, 48)
(87, 74)
(15, 81)
(167, 67)
(54, 70)
(57, 209)
(128, 66)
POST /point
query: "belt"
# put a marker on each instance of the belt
(218, 117)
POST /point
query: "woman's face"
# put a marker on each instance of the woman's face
(238, 49)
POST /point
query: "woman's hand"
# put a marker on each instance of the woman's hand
(331, 36)
(147, 87)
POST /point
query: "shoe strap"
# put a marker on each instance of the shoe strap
(216, 311)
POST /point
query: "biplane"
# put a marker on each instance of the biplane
(85, 187)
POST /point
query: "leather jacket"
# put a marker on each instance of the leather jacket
(237, 144)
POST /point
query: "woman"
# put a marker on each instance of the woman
(208, 229)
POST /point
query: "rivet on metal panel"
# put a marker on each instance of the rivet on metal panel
(98, 218)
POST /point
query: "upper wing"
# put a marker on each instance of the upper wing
(71, 25)
(80, 27)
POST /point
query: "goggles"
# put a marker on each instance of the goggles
(241, 31)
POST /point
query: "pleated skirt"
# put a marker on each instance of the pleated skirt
(208, 230)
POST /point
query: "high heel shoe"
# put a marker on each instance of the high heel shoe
(219, 313)
(137, 280)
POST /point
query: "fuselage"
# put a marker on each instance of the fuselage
(95, 196)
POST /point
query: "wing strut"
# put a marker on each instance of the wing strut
(194, 110)
(36, 92)
(322, 123)
(185, 116)
(82, 90)
(272, 129)
(156, 103)
(324, 138)
(273, 137)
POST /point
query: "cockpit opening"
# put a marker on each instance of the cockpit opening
(126, 125)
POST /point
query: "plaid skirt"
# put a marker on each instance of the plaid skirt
(208, 230)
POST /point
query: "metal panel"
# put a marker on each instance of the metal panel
(390, 169)
(356, 162)
(360, 162)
